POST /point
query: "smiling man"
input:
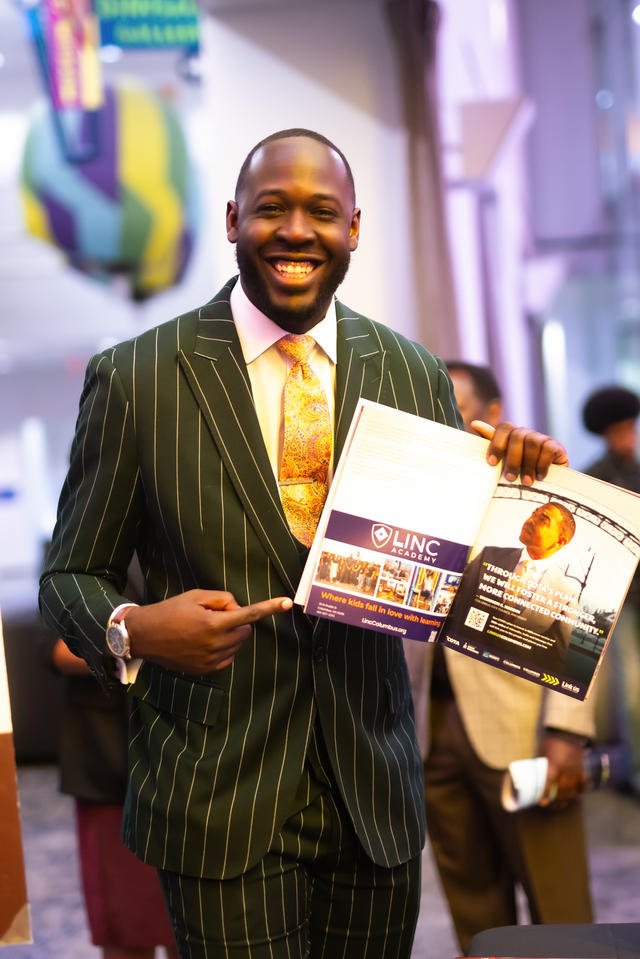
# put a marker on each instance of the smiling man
(295, 224)
(274, 775)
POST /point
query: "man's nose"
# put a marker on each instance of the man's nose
(296, 226)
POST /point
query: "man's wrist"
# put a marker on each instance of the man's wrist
(126, 667)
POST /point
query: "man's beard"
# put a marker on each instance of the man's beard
(257, 290)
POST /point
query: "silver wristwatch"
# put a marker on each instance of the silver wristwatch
(118, 641)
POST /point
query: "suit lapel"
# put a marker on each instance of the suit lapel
(361, 368)
(217, 374)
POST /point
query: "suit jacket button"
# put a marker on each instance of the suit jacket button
(319, 653)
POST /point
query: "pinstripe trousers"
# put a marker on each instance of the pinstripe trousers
(314, 894)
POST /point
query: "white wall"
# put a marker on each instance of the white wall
(479, 61)
(328, 68)
(564, 166)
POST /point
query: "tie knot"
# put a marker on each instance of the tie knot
(296, 346)
(526, 567)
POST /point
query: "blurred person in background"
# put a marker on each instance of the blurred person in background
(472, 721)
(612, 413)
(477, 393)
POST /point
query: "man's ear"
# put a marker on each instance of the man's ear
(354, 232)
(232, 221)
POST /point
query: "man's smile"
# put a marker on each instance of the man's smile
(293, 269)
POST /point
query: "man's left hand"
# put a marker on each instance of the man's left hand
(525, 453)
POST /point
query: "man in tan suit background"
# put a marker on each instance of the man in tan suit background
(472, 721)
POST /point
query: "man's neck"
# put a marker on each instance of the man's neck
(541, 556)
(291, 321)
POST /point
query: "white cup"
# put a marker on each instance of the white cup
(524, 782)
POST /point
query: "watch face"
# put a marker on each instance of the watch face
(117, 640)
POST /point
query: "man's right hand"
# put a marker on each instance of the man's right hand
(199, 631)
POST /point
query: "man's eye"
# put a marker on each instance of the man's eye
(325, 214)
(269, 209)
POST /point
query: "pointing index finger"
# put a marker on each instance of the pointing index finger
(255, 611)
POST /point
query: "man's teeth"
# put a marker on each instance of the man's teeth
(294, 269)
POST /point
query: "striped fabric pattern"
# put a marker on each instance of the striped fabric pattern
(168, 460)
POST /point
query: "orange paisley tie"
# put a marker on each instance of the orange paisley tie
(306, 448)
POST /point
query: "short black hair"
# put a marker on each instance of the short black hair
(288, 135)
(485, 385)
(609, 405)
(567, 523)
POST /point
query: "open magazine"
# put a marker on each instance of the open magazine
(421, 538)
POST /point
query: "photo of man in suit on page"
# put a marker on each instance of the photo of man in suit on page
(525, 587)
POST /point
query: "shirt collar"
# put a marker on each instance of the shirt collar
(539, 565)
(257, 332)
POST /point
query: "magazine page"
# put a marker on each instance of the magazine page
(404, 508)
(546, 579)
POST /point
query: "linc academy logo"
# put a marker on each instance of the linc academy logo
(402, 542)
(380, 535)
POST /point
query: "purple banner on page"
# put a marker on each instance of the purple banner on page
(370, 613)
(396, 541)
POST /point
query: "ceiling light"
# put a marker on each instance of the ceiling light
(604, 99)
(110, 53)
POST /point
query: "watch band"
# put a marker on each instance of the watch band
(118, 612)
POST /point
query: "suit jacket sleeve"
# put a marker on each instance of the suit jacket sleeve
(94, 539)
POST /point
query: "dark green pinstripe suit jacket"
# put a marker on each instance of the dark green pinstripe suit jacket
(168, 460)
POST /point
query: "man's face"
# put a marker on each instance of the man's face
(622, 438)
(542, 532)
(294, 225)
(469, 403)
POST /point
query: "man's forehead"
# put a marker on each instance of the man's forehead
(462, 378)
(548, 510)
(297, 155)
